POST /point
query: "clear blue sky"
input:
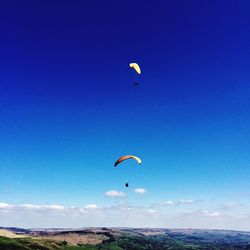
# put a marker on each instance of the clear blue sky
(68, 107)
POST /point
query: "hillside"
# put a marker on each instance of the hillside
(123, 238)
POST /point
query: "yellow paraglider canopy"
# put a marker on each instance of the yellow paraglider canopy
(123, 158)
(136, 67)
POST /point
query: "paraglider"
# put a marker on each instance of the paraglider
(137, 69)
(125, 157)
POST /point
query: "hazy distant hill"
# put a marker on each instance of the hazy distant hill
(122, 238)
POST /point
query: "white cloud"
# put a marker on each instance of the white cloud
(169, 203)
(91, 206)
(45, 207)
(201, 213)
(210, 214)
(213, 214)
(151, 211)
(177, 203)
(140, 190)
(4, 205)
(230, 205)
(182, 201)
(83, 210)
(30, 206)
(115, 193)
(54, 207)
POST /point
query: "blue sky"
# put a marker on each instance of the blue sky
(68, 110)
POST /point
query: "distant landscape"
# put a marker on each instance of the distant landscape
(121, 238)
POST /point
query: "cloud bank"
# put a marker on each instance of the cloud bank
(121, 214)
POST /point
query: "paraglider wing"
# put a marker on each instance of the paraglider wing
(123, 158)
(136, 67)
